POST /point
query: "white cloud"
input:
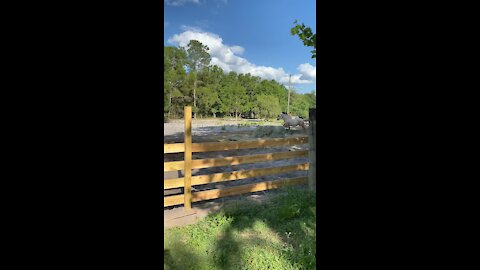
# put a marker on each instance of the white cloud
(190, 28)
(237, 49)
(180, 2)
(165, 24)
(308, 71)
(227, 57)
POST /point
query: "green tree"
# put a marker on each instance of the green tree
(312, 99)
(226, 92)
(306, 35)
(267, 106)
(232, 96)
(174, 62)
(220, 92)
(239, 100)
(207, 98)
(250, 83)
(299, 105)
(199, 58)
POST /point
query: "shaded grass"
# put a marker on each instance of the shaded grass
(277, 234)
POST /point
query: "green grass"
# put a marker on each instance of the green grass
(278, 234)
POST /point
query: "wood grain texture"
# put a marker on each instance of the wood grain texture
(224, 146)
(187, 164)
(226, 161)
(173, 148)
(231, 176)
(232, 191)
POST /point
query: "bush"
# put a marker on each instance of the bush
(269, 131)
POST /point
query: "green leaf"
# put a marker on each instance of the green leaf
(306, 35)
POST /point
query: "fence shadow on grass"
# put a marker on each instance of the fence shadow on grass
(286, 222)
(284, 215)
(179, 258)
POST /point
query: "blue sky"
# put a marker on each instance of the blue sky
(247, 35)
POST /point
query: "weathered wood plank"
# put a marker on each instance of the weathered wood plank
(173, 148)
(219, 193)
(215, 162)
(188, 159)
(224, 146)
(235, 175)
(173, 166)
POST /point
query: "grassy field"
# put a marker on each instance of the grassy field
(277, 234)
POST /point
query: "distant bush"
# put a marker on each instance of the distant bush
(275, 132)
(269, 131)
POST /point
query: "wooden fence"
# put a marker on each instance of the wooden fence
(187, 147)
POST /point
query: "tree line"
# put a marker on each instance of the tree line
(190, 80)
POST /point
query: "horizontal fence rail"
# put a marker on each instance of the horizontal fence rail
(235, 175)
(236, 160)
(224, 146)
(173, 148)
(231, 191)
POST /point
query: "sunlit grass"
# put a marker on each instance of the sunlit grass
(277, 234)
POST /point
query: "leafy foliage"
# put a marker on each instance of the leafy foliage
(207, 98)
(188, 71)
(306, 35)
(267, 106)
(197, 55)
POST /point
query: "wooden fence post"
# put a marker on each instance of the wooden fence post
(312, 150)
(187, 172)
